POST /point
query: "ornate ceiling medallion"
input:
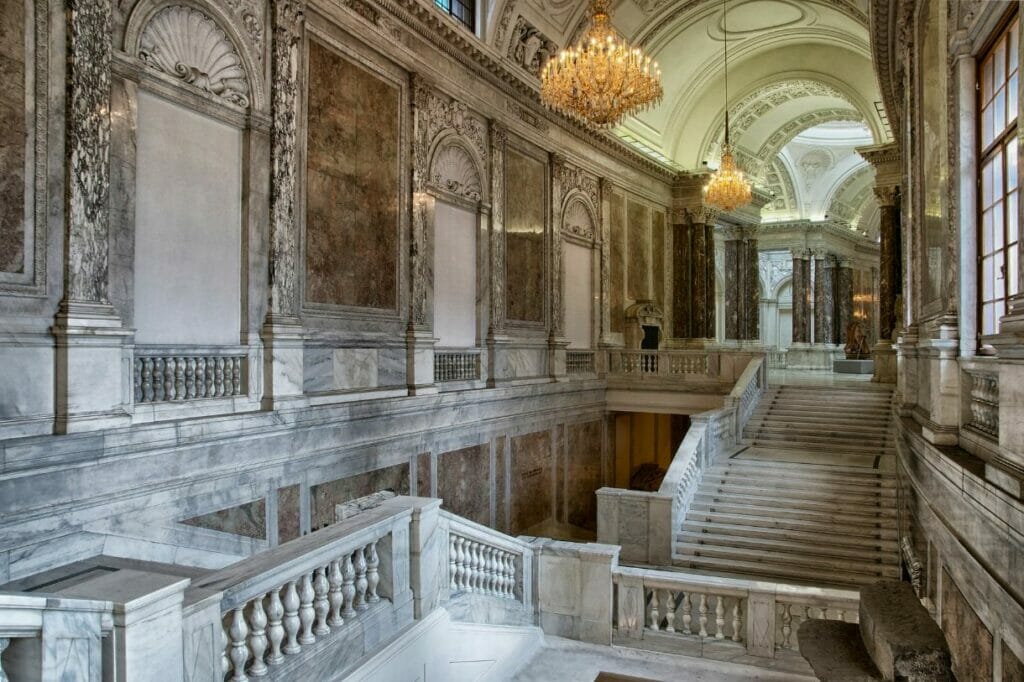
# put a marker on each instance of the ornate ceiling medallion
(601, 79)
(727, 189)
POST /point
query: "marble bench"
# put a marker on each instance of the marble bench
(896, 639)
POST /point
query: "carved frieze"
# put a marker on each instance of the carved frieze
(529, 48)
(525, 115)
(185, 43)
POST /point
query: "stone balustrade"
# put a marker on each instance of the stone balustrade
(484, 561)
(339, 583)
(183, 374)
(580, 362)
(461, 365)
(651, 363)
(983, 396)
(662, 610)
(776, 359)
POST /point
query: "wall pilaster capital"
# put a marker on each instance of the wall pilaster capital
(888, 164)
(886, 195)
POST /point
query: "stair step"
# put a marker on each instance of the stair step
(754, 569)
(879, 530)
(889, 557)
(822, 408)
(869, 520)
(825, 427)
(803, 417)
(883, 496)
(686, 551)
(716, 497)
(770, 440)
(720, 531)
(761, 466)
(818, 473)
(859, 427)
(817, 436)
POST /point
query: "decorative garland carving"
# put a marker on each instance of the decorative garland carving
(250, 13)
(187, 44)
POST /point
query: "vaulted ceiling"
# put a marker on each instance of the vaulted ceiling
(793, 66)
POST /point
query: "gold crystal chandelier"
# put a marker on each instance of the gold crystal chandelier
(601, 79)
(727, 189)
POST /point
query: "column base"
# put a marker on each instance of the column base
(884, 356)
(93, 377)
(419, 365)
(557, 357)
(283, 371)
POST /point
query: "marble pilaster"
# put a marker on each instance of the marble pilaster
(91, 374)
(496, 336)
(557, 343)
(282, 331)
(844, 299)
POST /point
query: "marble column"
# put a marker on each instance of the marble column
(282, 330)
(801, 297)
(91, 376)
(709, 274)
(824, 299)
(557, 343)
(742, 287)
(693, 274)
(497, 339)
(844, 299)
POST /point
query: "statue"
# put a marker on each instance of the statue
(856, 342)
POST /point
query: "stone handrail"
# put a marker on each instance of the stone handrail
(299, 593)
(666, 608)
(46, 619)
(484, 561)
(177, 374)
(709, 434)
(456, 364)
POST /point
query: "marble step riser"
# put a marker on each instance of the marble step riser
(771, 466)
(788, 497)
(779, 573)
(879, 531)
(785, 492)
(838, 398)
(823, 518)
(807, 421)
(724, 531)
(880, 432)
(821, 411)
(795, 504)
(832, 447)
(824, 437)
(832, 403)
(788, 547)
(796, 477)
(842, 394)
(808, 561)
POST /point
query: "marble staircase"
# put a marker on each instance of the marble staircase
(785, 506)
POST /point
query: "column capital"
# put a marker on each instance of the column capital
(498, 134)
(846, 262)
(888, 163)
(800, 254)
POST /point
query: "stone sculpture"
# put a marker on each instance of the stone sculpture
(856, 342)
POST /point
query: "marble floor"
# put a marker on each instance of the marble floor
(803, 377)
(569, 661)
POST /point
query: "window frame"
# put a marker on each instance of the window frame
(469, 11)
(997, 147)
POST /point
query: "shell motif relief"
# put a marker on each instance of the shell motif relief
(185, 43)
(454, 170)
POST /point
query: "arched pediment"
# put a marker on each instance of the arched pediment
(453, 169)
(578, 218)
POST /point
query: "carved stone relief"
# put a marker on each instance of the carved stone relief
(816, 163)
(13, 130)
(251, 14)
(438, 115)
(455, 171)
(577, 220)
(184, 43)
(529, 48)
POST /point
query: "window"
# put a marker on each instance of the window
(998, 82)
(464, 11)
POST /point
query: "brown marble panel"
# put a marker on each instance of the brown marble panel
(463, 482)
(288, 513)
(353, 186)
(249, 519)
(423, 476)
(583, 451)
(617, 267)
(531, 480)
(525, 180)
(682, 282)
(658, 256)
(638, 217)
(970, 642)
(326, 495)
(13, 131)
(560, 473)
(1013, 669)
(501, 515)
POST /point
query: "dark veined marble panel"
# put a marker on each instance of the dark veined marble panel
(639, 270)
(463, 482)
(531, 480)
(617, 255)
(658, 255)
(13, 133)
(352, 184)
(288, 513)
(1013, 669)
(500, 499)
(249, 520)
(970, 642)
(423, 475)
(525, 180)
(583, 451)
(326, 495)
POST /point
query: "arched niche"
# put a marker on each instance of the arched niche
(456, 181)
(580, 270)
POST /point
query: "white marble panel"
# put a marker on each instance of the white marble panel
(454, 276)
(578, 294)
(187, 226)
(354, 368)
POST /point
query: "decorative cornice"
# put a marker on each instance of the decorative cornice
(887, 160)
(464, 49)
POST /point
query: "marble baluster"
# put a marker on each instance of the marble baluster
(372, 573)
(306, 611)
(334, 595)
(291, 620)
(348, 587)
(258, 637)
(239, 653)
(275, 626)
(321, 605)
